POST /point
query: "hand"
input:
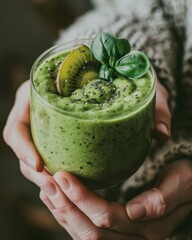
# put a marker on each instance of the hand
(17, 133)
(18, 136)
(173, 189)
(85, 215)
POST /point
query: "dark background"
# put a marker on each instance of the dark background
(28, 27)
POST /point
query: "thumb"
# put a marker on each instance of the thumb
(162, 114)
(174, 188)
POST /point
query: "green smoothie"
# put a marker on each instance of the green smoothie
(101, 133)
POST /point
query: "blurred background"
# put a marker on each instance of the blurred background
(27, 29)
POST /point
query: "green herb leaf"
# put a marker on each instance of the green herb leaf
(107, 48)
(107, 73)
(117, 48)
(123, 47)
(99, 50)
(116, 56)
(133, 65)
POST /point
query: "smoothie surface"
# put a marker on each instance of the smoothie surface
(99, 99)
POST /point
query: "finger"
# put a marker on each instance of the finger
(95, 207)
(173, 189)
(103, 214)
(47, 202)
(66, 212)
(162, 114)
(17, 131)
(32, 175)
(23, 146)
(110, 218)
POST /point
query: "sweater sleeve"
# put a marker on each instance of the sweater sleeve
(178, 15)
(180, 145)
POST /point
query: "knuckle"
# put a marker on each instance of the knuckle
(6, 134)
(42, 196)
(94, 235)
(10, 129)
(162, 202)
(9, 134)
(45, 181)
(77, 197)
(59, 216)
(105, 219)
(10, 137)
(62, 213)
(62, 209)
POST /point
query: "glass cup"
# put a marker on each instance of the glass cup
(100, 152)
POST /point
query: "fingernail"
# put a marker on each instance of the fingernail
(49, 189)
(31, 163)
(136, 211)
(64, 183)
(163, 129)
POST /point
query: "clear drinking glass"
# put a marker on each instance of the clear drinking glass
(100, 152)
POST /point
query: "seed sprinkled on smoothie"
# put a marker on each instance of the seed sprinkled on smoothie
(81, 80)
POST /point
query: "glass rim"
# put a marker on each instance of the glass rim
(69, 113)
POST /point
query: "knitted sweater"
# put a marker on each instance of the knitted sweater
(163, 30)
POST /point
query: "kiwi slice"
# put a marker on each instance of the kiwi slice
(77, 69)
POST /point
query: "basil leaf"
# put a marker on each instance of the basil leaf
(115, 48)
(133, 65)
(107, 48)
(107, 73)
(99, 49)
(123, 47)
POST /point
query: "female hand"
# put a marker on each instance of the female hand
(17, 135)
(85, 215)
